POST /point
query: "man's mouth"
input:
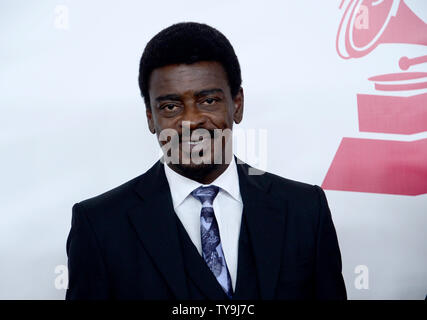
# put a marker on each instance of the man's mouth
(192, 142)
(195, 142)
(189, 144)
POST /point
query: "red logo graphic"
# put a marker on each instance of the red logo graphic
(374, 165)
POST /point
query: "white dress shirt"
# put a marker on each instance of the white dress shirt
(228, 207)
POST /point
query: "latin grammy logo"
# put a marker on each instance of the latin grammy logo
(398, 107)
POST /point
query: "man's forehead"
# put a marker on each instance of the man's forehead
(188, 77)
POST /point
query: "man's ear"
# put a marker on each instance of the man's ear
(238, 106)
(150, 120)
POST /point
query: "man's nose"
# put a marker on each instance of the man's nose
(193, 116)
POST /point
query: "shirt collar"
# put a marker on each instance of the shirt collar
(181, 186)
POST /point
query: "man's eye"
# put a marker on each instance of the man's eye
(168, 107)
(210, 101)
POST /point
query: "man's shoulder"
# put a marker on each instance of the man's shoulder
(286, 188)
(289, 184)
(114, 195)
(113, 202)
(122, 196)
(302, 200)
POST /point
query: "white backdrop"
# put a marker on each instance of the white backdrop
(73, 125)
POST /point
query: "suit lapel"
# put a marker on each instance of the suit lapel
(265, 218)
(155, 224)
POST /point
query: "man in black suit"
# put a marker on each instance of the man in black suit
(200, 223)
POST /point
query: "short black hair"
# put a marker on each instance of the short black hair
(188, 42)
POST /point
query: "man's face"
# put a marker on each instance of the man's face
(189, 97)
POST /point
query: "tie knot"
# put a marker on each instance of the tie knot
(205, 194)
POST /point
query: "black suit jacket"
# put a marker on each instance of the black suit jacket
(124, 244)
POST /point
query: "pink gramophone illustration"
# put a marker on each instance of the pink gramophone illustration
(398, 107)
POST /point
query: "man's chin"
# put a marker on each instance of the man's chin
(195, 168)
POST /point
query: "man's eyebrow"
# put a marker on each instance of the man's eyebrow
(174, 97)
(201, 93)
(206, 92)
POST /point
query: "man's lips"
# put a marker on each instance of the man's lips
(194, 141)
(187, 144)
(191, 144)
(200, 139)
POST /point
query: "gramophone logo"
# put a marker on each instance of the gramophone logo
(399, 105)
